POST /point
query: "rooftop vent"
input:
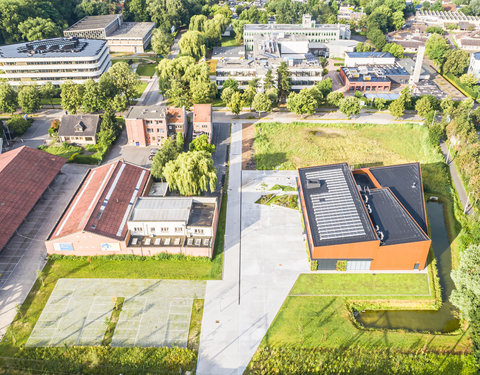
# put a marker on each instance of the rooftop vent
(313, 183)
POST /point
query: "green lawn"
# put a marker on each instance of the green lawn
(348, 284)
(48, 102)
(64, 150)
(146, 69)
(230, 42)
(293, 145)
(140, 89)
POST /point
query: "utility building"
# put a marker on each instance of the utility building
(372, 218)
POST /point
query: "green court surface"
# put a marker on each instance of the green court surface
(154, 313)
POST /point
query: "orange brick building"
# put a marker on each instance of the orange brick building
(372, 218)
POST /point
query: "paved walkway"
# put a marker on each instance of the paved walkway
(457, 181)
(260, 267)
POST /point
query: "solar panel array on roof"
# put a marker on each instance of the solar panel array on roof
(334, 210)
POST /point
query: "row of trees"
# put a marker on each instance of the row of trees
(113, 91)
(185, 81)
(26, 97)
(192, 172)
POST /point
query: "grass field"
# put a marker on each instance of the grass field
(289, 146)
(63, 150)
(411, 285)
(230, 42)
(48, 102)
(146, 69)
(140, 89)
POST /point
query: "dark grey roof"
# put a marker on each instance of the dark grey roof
(334, 207)
(201, 214)
(391, 220)
(369, 54)
(405, 181)
(79, 125)
(94, 22)
(55, 47)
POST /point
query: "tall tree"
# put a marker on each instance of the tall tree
(350, 106)
(303, 103)
(168, 152)
(268, 82)
(236, 103)
(201, 144)
(466, 295)
(92, 99)
(436, 48)
(202, 91)
(191, 173)
(29, 98)
(48, 91)
(456, 62)
(325, 86)
(284, 81)
(397, 108)
(38, 28)
(192, 44)
(261, 103)
(227, 94)
(249, 95)
(334, 98)
(161, 42)
(8, 98)
(72, 95)
(124, 79)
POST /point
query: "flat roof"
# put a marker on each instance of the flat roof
(25, 174)
(335, 209)
(94, 22)
(290, 27)
(236, 52)
(146, 112)
(48, 48)
(134, 30)
(161, 209)
(202, 214)
(202, 113)
(103, 201)
(405, 181)
(376, 55)
(395, 225)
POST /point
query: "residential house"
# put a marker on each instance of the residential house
(80, 129)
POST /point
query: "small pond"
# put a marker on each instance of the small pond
(442, 320)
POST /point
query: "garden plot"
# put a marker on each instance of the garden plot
(154, 313)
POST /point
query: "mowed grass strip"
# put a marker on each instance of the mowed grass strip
(390, 285)
(325, 322)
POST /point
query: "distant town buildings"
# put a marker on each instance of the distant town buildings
(132, 37)
(443, 19)
(347, 13)
(80, 129)
(112, 213)
(371, 218)
(152, 125)
(54, 60)
(202, 121)
(474, 67)
(316, 33)
(353, 59)
(369, 78)
(26, 173)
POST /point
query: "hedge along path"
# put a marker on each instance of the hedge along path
(154, 313)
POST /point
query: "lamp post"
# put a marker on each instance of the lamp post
(466, 204)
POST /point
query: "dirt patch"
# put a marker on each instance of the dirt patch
(248, 154)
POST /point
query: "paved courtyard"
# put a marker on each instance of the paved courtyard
(154, 313)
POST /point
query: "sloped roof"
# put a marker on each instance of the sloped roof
(79, 126)
(103, 201)
(161, 209)
(25, 173)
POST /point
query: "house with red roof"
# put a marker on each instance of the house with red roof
(25, 174)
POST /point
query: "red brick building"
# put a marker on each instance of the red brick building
(25, 174)
(202, 121)
(371, 218)
(152, 125)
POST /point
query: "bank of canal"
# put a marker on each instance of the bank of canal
(442, 320)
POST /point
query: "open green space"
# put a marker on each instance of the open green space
(140, 89)
(146, 69)
(229, 41)
(52, 101)
(294, 145)
(352, 284)
(63, 150)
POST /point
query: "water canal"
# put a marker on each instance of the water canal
(442, 320)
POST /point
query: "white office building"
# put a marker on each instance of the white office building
(315, 33)
(474, 67)
(54, 60)
(353, 59)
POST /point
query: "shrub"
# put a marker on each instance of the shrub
(435, 134)
(341, 265)
(18, 124)
(83, 159)
(313, 265)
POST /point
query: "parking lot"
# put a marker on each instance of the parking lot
(25, 253)
(154, 313)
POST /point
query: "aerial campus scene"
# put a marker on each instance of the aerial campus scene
(239, 187)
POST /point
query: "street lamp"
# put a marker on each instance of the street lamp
(466, 205)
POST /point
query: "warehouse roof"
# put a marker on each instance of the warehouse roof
(94, 22)
(103, 201)
(161, 209)
(25, 174)
(376, 55)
